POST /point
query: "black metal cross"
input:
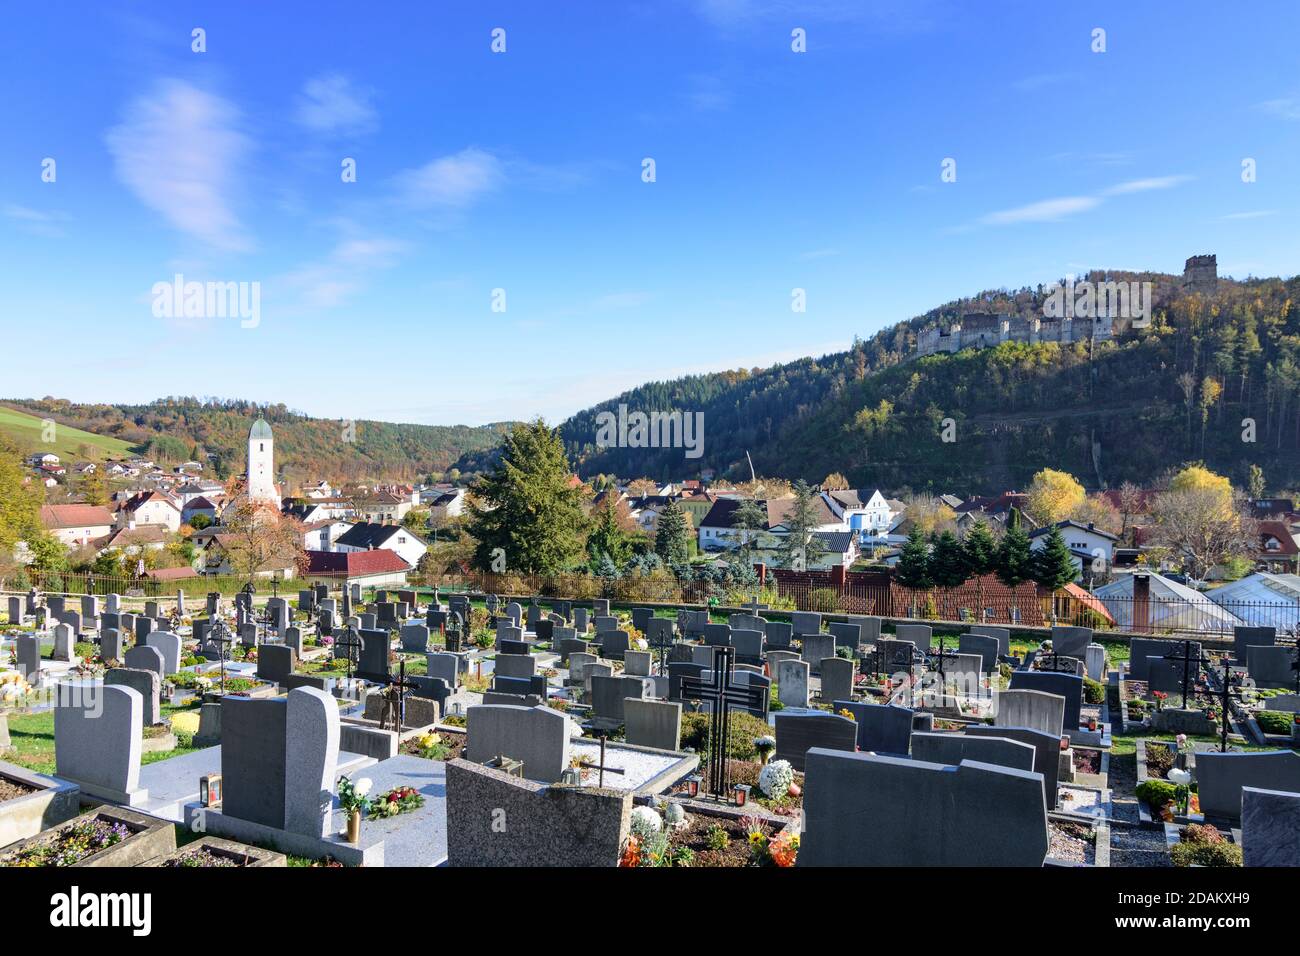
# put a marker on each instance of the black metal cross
(452, 630)
(353, 640)
(1226, 696)
(222, 637)
(395, 695)
(723, 695)
(942, 656)
(1057, 663)
(1188, 660)
(663, 643)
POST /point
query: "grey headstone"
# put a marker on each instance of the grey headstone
(146, 683)
(515, 665)
(415, 638)
(98, 739)
(169, 646)
(1270, 827)
(1220, 778)
(274, 662)
(537, 736)
(1036, 709)
(1047, 752)
(1068, 686)
(816, 648)
(881, 728)
(653, 723)
(805, 622)
(1244, 637)
(952, 749)
(636, 663)
(144, 657)
(796, 734)
(1070, 641)
(792, 683)
(837, 678)
(918, 634)
(983, 645)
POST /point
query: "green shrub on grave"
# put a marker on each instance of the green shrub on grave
(740, 745)
(1205, 854)
(1094, 691)
(1274, 721)
(1156, 793)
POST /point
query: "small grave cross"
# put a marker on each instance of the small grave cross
(663, 644)
(349, 640)
(395, 696)
(1226, 696)
(222, 637)
(452, 630)
(723, 695)
(1188, 660)
(942, 655)
(1057, 663)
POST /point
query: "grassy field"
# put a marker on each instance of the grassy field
(70, 444)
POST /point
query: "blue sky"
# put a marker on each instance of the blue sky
(522, 170)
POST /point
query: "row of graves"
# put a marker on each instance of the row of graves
(1226, 789)
(396, 732)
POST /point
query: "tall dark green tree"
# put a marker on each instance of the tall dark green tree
(609, 535)
(913, 569)
(748, 521)
(1014, 560)
(531, 520)
(672, 535)
(981, 549)
(1053, 566)
(948, 564)
(801, 549)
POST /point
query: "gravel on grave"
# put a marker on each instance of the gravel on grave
(1080, 800)
(638, 767)
(1134, 846)
(1070, 842)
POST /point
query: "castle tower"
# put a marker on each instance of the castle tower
(261, 463)
(1201, 274)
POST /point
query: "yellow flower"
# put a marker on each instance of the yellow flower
(186, 722)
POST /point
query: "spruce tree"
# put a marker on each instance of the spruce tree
(1053, 566)
(800, 550)
(1014, 560)
(532, 515)
(672, 535)
(913, 569)
(981, 549)
(948, 564)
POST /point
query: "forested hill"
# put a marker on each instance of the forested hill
(1128, 411)
(174, 430)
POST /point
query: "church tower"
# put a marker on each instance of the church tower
(261, 463)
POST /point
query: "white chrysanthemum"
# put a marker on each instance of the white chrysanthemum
(775, 778)
(364, 786)
(1179, 777)
(645, 822)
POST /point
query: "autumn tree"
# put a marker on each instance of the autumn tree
(257, 540)
(835, 482)
(1196, 521)
(1053, 496)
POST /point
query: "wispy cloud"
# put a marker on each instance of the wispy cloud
(1252, 214)
(331, 104)
(36, 222)
(1046, 210)
(1146, 185)
(179, 149)
(343, 273)
(1287, 107)
(456, 181)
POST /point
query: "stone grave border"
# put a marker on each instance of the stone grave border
(54, 802)
(1101, 841)
(1144, 812)
(151, 838)
(260, 857)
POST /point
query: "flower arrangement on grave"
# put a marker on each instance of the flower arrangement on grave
(13, 687)
(784, 848)
(775, 779)
(845, 712)
(646, 822)
(353, 801)
(766, 746)
(431, 746)
(184, 723)
(395, 801)
(72, 844)
(1160, 697)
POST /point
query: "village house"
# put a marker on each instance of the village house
(1087, 543)
(76, 525)
(379, 568)
(374, 536)
(149, 507)
(718, 531)
(321, 535)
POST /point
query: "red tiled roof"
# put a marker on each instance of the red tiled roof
(75, 516)
(1278, 530)
(355, 563)
(171, 574)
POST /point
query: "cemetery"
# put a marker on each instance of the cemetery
(377, 729)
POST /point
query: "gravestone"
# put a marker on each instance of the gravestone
(515, 665)
(144, 657)
(652, 723)
(16, 615)
(1270, 827)
(274, 663)
(871, 810)
(837, 678)
(918, 634)
(522, 686)
(641, 617)
(293, 640)
(443, 665)
(536, 736)
(600, 607)
(1069, 686)
(636, 663)
(747, 622)
(372, 663)
(415, 638)
(169, 646)
(895, 656)
(1271, 667)
(27, 648)
(614, 644)
(678, 670)
(64, 638)
(780, 634)
(544, 630)
(881, 728)
(1070, 641)
(952, 749)
(581, 620)
(717, 635)
(816, 648)
(1095, 662)
(748, 644)
(1220, 778)
(1243, 637)
(805, 622)
(792, 683)
(609, 693)
(98, 739)
(110, 645)
(1036, 709)
(89, 606)
(514, 647)
(869, 627)
(846, 635)
(1143, 648)
(1047, 752)
(983, 645)
(796, 734)
(146, 683)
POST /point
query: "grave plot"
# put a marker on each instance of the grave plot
(215, 853)
(1199, 844)
(108, 836)
(1072, 843)
(692, 836)
(32, 802)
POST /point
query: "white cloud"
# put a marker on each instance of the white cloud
(180, 151)
(35, 221)
(454, 181)
(1253, 214)
(1287, 107)
(1145, 185)
(1046, 210)
(343, 273)
(331, 104)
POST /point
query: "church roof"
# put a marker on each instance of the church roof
(260, 429)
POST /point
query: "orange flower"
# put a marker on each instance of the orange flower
(631, 854)
(784, 849)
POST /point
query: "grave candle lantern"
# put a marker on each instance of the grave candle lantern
(693, 785)
(740, 794)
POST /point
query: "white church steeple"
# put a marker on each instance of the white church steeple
(261, 463)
